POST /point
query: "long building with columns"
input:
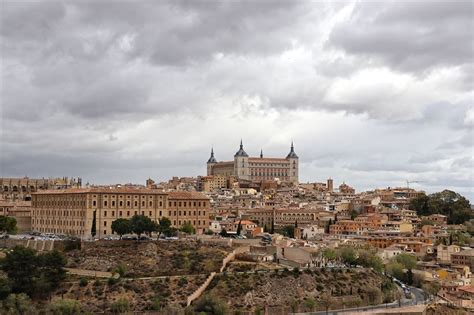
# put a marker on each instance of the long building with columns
(256, 168)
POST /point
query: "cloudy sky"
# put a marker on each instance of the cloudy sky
(372, 93)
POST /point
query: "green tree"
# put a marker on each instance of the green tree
(431, 288)
(354, 214)
(408, 261)
(7, 225)
(52, 267)
(348, 255)
(456, 207)
(310, 304)
(289, 231)
(239, 227)
(395, 269)
(140, 224)
(21, 267)
(5, 288)
(369, 259)
(164, 225)
(211, 305)
(188, 228)
(94, 223)
(223, 233)
(65, 307)
(272, 229)
(326, 301)
(17, 304)
(329, 254)
(409, 277)
(122, 226)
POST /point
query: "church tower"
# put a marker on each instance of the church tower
(211, 162)
(241, 163)
(293, 158)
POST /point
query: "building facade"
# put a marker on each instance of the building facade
(259, 168)
(72, 211)
(22, 188)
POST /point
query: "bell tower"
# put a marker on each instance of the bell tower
(294, 164)
(241, 163)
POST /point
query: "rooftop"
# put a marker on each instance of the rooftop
(111, 190)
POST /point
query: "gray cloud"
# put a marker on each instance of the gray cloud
(414, 36)
(120, 91)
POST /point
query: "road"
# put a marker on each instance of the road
(418, 297)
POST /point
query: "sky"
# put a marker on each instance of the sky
(372, 93)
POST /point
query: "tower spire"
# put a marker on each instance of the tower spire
(212, 159)
(241, 145)
(261, 153)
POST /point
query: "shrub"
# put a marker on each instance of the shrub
(120, 306)
(120, 269)
(113, 280)
(182, 281)
(65, 307)
(83, 282)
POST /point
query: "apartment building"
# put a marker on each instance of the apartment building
(463, 258)
(72, 211)
(444, 252)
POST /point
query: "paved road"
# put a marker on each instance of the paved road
(418, 298)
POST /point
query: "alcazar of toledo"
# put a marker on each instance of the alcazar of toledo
(256, 168)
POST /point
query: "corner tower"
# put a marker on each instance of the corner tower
(211, 162)
(241, 163)
(294, 164)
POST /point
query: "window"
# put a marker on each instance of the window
(160, 213)
(161, 203)
(136, 203)
(128, 213)
(128, 202)
(105, 213)
(105, 223)
(105, 232)
(120, 213)
(150, 203)
(105, 203)
(136, 212)
(143, 212)
(121, 203)
(149, 213)
(143, 203)
(113, 213)
(94, 203)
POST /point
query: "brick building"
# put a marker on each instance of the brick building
(72, 211)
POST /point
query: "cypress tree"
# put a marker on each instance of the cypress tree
(239, 228)
(272, 230)
(94, 223)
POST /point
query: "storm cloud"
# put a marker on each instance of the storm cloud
(372, 93)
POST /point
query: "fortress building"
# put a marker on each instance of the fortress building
(256, 168)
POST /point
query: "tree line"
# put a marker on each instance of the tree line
(449, 203)
(28, 272)
(140, 224)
